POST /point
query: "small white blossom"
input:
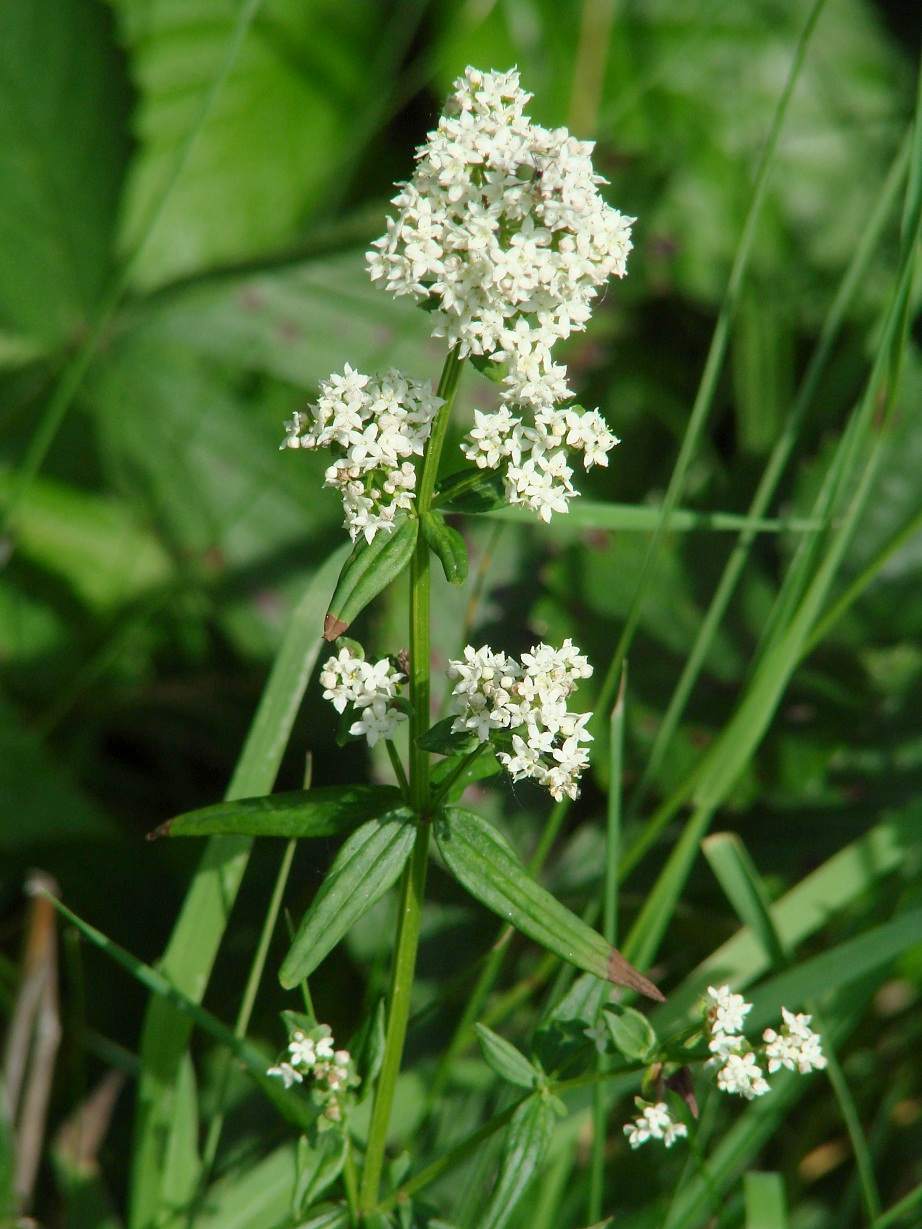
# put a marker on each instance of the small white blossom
(302, 1049)
(796, 1047)
(655, 1122)
(377, 721)
(742, 1075)
(725, 1011)
(493, 692)
(371, 688)
(286, 1073)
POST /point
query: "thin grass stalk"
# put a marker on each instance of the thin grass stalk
(771, 476)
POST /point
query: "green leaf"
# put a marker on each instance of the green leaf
(367, 1049)
(369, 569)
(570, 1027)
(443, 740)
(524, 1149)
(501, 1056)
(320, 1161)
(484, 766)
(631, 1033)
(251, 1198)
(366, 866)
(743, 887)
(486, 865)
(331, 1216)
(272, 139)
(471, 491)
(64, 102)
(329, 811)
(495, 370)
(766, 1204)
(448, 545)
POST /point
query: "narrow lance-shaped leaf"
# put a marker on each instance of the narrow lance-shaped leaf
(472, 491)
(527, 1142)
(370, 568)
(331, 811)
(448, 545)
(486, 865)
(502, 1057)
(366, 866)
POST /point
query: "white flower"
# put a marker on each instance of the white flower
(529, 698)
(372, 425)
(796, 1047)
(286, 1073)
(655, 1122)
(302, 1050)
(725, 1011)
(376, 721)
(722, 1045)
(742, 1075)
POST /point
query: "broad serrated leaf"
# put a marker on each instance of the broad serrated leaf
(443, 740)
(366, 866)
(330, 811)
(631, 1033)
(524, 1149)
(369, 569)
(319, 1163)
(501, 1056)
(487, 866)
(448, 545)
(471, 491)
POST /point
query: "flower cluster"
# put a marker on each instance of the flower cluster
(373, 425)
(654, 1122)
(537, 473)
(503, 224)
(370, 688)
(796, 1047)
(503, 229)
(494, 693)
(312, 1054)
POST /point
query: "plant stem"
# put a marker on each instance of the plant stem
(413, 882)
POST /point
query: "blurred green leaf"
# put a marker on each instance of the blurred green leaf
(328, 811)
(64, 100)
(272, 139)
(367, 865)
(253, 1196)
(766, 1203)
(320, 1160)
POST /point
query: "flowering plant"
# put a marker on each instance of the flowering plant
(503, 234)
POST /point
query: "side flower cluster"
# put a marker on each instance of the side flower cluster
(654, 1122)
(536, 472)
(312, 1056)
(737, 1064)
(496, 696)
(371, 688)
(373, 425)
(503, 229)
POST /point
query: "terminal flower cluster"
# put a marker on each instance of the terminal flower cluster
(502, 228)
(737, 1064)
(496, 696)
(311, 1055)
(373, 425)
(654, 1122)
(371, 688)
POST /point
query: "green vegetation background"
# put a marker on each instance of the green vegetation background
(182, 229)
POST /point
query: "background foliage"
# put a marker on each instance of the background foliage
(186, 192)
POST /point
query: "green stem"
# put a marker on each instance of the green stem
(413, 883)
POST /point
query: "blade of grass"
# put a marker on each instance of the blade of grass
(768, 483)
(197, 933)
(638, 518)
